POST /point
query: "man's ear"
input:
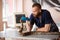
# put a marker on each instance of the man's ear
(40, 10)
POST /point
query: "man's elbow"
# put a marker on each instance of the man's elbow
(47, 27)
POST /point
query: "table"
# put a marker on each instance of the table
(14, 34)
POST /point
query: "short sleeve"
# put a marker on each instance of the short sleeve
(48, 17)
(31, 19)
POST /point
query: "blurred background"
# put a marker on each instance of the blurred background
(12, 10)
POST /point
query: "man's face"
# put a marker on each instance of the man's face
(35, 11)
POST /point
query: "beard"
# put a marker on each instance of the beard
(38, 14)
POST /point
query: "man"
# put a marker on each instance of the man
(41, 18)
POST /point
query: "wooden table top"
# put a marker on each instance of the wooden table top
(39, 33)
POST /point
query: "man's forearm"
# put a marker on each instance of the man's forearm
(45, 29)
(28, 26)
(42, 29)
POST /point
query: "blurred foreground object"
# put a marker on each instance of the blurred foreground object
(22, 20)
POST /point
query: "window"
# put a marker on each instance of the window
(9, 8)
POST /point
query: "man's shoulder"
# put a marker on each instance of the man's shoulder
(44, 10)
(31, 16)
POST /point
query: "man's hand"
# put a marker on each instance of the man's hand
(46, 28)
(28, 26)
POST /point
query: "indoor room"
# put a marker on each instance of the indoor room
(14, 14)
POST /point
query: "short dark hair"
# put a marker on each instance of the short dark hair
(37, 5)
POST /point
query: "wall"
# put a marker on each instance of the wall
(1, 23)
(27, 7)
